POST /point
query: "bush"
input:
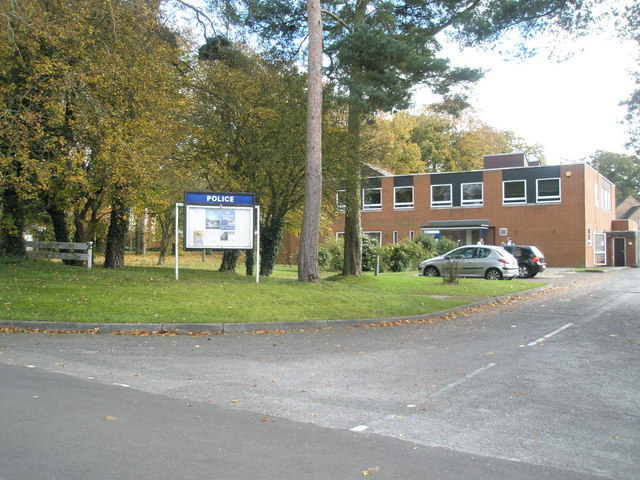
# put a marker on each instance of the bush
(405, 255)
(444, 245)
(370, 250)
(331, 255)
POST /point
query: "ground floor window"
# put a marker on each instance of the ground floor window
(600, 252)
(377, 236)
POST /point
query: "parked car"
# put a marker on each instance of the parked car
(485, 261)
(530, 259)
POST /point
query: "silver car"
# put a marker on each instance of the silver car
(487, 261)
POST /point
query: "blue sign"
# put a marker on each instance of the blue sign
(218, 198)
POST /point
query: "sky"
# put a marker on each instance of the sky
(570, 107)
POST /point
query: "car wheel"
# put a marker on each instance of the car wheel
(431, 271)
(493, 274)
(524, 271)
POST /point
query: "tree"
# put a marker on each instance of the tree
(308, 269)
(82, 119)
(622, 170)
(249, 130)
(630, 28)
(378, 50)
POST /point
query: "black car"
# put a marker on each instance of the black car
(530, 259)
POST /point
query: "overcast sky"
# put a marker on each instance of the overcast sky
(570, 107)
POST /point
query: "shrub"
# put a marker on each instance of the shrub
(332, 255)
(444, 245)
(370, 249)
(405, 255)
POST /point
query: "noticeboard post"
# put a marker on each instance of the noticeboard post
(220, 221)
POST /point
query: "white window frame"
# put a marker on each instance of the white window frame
(411, 234)
(589, 236)
(600, 250)
(473, 202)
(514, 200)
(339, 236)
(374, 233)
(402, 205)
(343, 205)
(395, 236)
(548, 199)
(371, 206)
(606, 195)
(442, 203)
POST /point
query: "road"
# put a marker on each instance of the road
(540, 387)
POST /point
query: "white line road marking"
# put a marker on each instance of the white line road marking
(122, 385)
(465, 378)
(359, 428)
(549, 335)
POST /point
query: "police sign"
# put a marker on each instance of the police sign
(218, 220)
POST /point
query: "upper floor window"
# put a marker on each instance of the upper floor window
(471, 194)
(371, 198)
(440, 195)
(514, 191)
(403, 197)
(606, 196)
(548, 190)
(340, 201)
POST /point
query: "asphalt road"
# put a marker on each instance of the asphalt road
(542, 387)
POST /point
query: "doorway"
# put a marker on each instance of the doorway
(619, 252)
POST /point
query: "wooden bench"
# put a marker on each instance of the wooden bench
(61, 250)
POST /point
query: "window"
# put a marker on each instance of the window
(606, 196)
(548, 190)
(514, 191)
(377, 236)
(340, 201)
(339, 236)
(471, 194)
(371, 198)
(600, 250)
(395, 237)
(411, 234)
(589, 236)
(440, 195)
(403, 197)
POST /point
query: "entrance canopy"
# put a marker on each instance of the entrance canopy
(454, 225)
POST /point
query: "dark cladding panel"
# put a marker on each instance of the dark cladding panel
(404, 181)
(531, 174)
(372, 182)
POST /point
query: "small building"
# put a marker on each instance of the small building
(565, 210)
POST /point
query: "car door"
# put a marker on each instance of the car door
(483, 260)
(465, 258)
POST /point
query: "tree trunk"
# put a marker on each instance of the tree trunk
(141, 238)
(270, 238)
(308, 270)
(249, 263)
(167, 232)
(229, 260)
(117, 235)
(12, 224)
(61, 231)
(352, 264)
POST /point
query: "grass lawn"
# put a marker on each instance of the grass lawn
(44, 290)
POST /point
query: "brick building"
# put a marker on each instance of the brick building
(567, 211)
